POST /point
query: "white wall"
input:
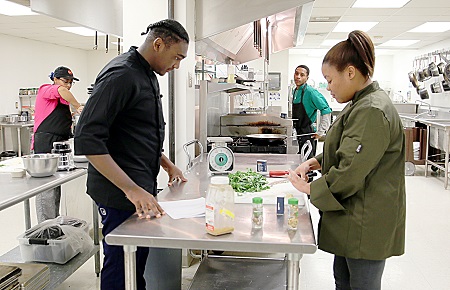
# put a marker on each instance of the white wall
(27, 63)
(96, 60)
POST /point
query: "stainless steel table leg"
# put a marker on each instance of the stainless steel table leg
(446, 169)
(19, 144)
(3, 138)
(130, 267)
(426, 151)
(293, 271)
(96, 236)
(26, 207)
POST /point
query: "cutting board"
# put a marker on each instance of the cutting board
(34, 275)
(10, 165)
(270, 195)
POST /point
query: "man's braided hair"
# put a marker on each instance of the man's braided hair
(168, 30)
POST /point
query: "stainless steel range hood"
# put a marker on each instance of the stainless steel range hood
(238, 31)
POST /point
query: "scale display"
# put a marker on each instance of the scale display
(221, 160)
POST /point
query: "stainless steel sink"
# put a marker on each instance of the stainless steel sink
(443, 123)
(408, 115)
(407, 108)
(438, 127)
(408, 119)
(435, 120)
(437, 139)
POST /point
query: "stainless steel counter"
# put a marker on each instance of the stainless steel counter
(19, 126)
(16, 190)
(190, 233)
(438, 136)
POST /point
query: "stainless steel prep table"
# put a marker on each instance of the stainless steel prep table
(190, 233)
(19, 126)
(16, 190)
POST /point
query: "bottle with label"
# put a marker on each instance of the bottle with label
(293, 213)
(257, 212)
(219, 213)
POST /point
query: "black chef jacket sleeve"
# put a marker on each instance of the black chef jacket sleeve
(110, 96)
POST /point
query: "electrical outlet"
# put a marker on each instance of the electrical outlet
(17, 105)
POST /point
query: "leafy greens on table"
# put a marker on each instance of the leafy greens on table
(249, 181)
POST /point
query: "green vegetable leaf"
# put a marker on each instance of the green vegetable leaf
(249, 181)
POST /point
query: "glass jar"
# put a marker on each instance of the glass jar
(257, 212)
(293, 213)
(219, 213)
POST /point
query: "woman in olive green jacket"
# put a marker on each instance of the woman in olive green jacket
(361, 194)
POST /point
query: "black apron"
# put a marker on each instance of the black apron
(55, 128)
(303, 124)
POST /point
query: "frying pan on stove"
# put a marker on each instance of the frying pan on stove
(265, 138)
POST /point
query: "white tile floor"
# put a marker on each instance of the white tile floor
(425, 266)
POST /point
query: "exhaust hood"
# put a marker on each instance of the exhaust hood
(238, 31)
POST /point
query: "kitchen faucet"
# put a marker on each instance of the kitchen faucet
(429, 113)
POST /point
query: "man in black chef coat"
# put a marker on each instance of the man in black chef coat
(121, 132)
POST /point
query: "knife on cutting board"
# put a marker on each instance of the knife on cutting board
(285, 173)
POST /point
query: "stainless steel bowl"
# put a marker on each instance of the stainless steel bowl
(41, 165)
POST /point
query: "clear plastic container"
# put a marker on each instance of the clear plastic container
(293, 213)
(257, 212)
(219, 213)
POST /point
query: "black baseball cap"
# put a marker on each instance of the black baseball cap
(64, 72)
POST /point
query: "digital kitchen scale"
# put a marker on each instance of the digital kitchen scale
(220, 157)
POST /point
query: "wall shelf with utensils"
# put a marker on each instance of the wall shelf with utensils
(27, 100)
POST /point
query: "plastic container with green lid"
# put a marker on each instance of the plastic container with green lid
(257, 200)
(293, 213)
(257, 212)
(293, 200)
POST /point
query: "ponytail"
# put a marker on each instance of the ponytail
(358, 50)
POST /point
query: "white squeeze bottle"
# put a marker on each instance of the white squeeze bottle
(219, 213)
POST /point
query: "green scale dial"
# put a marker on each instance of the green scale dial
(220, 157)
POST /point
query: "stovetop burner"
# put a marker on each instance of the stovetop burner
(243, 145)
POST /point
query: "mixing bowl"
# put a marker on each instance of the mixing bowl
(41, 165)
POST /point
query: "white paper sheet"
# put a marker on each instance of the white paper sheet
(186, 208)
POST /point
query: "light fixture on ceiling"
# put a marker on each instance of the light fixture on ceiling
(324, 19)
(330, 42)
(14, 9)
(350, 26)
(435, 27)
(380, 3)
(399, 42)
(83, 31)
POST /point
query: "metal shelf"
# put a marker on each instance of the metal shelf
(205, 71)
(58, 273)
(240, 273)
(227, 88)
